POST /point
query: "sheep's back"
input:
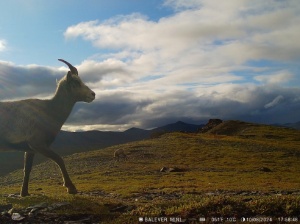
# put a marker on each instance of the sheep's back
(24, 120)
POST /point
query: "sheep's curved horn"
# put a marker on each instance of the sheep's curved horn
(72, 68)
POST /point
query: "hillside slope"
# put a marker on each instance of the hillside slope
(245, 152)
(207, 168)
(67, 143)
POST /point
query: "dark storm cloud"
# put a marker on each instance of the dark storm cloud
(123, 108)
(118, 108)
(146, 107)
(27, 81)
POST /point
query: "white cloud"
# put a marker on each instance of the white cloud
(2, 45)
(274, 102)
(277, 78)
(203, 33)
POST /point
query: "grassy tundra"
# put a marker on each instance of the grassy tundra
(218, 175)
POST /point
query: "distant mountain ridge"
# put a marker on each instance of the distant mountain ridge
(67, 143)
(71, 142)
(295, 125)
(179, 126)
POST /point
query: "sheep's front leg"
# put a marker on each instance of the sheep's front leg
(28, 160)
(59, 161)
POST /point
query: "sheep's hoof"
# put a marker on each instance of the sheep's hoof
(72, 190)
(24, 194)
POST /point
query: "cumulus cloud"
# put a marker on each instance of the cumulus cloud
(17, 82)
(202, 34)
(119, 110)
(2, 45)
(278, 78)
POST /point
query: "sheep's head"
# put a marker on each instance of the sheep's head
(78, 90)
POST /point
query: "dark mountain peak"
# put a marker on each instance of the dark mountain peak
(178, 126)
(133, 130)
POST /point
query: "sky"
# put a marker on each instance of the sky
(154, 62)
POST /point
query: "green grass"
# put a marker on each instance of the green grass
(210, 163)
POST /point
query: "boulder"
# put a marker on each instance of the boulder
(265, 169)
(171, 169)
(163, 169)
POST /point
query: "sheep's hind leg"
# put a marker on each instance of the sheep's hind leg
(59, 161)
(28, 160)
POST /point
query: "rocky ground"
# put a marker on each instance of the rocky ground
(42, 213)
(47, 212)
